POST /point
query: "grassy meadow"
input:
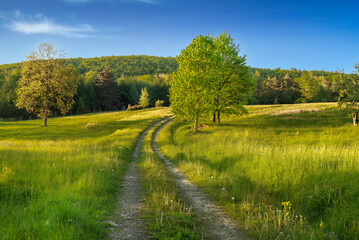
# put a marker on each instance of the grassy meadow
(60, 182)
(282, 171)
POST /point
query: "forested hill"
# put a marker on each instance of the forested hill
(119, 65)
(133, 73)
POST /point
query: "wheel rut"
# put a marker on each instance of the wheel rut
(216, 225)
(128, 224)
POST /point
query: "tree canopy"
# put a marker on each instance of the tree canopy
(231, 85)
(211, 76)
(46, 85)
(105, 88)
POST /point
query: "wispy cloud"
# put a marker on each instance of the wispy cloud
(39, 24)
(47, 27)
(125, 1)
(78, 1)
(148, 1)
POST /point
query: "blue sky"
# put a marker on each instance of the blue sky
(311, 35)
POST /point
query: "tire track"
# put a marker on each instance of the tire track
(216, 225)
(128, 223)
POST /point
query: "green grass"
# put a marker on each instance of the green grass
(283, 171)
(60, 182)
(168, 217)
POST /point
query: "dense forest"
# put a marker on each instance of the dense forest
(114, 83)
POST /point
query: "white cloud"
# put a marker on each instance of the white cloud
(39, 24)
(48, 27)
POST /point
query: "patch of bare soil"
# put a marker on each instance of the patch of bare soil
(215, 224)
(127, 223)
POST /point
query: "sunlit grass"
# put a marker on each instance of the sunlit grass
(168, 216)
(305, 155)
(60, 182)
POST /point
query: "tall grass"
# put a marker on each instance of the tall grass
(283, 171)
(60, 182)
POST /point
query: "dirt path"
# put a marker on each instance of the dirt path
(216, 225)
(128, 223)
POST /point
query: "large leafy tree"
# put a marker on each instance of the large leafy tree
(46, 84)
(211, 77)
(188, 92)
(349, 94)
(230, 84)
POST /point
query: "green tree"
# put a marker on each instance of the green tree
(188, 91)
(46, 83)
(105, 87)
(134, 95)
(309, 85)
(144, 98)
(230, 84)
(349, 94)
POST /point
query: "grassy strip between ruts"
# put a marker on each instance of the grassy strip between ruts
(283, 171)
(60, 182)
(168, 217)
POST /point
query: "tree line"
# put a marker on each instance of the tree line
(130, 74)
(108, 83)
(279, 86)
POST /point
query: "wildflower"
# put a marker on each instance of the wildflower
(321, 225)
(233, 198)
(286, 206)
(224, 189)
(6, 173)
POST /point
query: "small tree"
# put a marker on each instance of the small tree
(46, 83)
(144, 98)
(349, 94)
(159, 103)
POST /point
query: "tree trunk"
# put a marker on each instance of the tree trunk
(214, 117)
(355, 118)
(196, 124)
(45, 115)
(219, 117)
(45, 119)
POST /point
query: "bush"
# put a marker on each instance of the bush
(159, 103)
(134, 107)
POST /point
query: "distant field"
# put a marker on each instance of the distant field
(283, 171)
(60, 182)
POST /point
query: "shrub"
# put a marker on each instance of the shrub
(159, 103)
(134, 107)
